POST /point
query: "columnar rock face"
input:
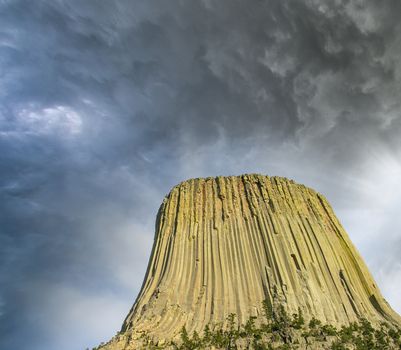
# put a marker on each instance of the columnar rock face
(225, 244)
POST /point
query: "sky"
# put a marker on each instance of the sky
(105, 105)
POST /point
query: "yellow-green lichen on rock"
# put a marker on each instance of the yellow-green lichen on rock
(223, 245)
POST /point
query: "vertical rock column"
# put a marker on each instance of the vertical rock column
(223, 245)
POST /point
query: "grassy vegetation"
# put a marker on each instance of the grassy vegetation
(277, 330)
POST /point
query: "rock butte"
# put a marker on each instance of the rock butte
(223, 245)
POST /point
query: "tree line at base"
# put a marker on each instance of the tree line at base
(277, 330)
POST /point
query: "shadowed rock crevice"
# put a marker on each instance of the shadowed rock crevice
(224, 245)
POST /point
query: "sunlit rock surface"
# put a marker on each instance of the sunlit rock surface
(223, 245)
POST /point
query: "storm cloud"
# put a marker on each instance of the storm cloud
(105, 105)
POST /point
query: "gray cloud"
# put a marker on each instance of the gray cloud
(105, 105)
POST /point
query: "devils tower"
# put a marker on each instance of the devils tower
(224, 245)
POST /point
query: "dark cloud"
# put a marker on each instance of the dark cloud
(105, 105)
